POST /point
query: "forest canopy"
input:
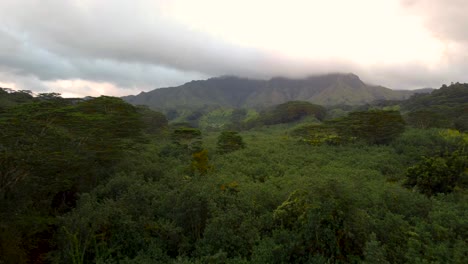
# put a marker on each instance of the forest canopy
(98, 180)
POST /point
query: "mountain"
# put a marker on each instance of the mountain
(236, 92)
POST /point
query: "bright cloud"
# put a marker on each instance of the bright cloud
(121, 47)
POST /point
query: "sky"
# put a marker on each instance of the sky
(122, 47)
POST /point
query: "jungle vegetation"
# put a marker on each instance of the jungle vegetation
(98, 180)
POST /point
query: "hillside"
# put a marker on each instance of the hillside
(330, 89)
(445, 107)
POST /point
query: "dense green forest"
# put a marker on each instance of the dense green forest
(98, 180)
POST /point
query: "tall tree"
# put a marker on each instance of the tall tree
(374, 127)
(229, 141)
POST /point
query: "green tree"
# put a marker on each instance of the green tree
(189, 138)
(200, 162)
(318, 134)
(374, 127)
(373, 252)
(51, 150)
(154, 122)
(293, 111)
(237, 118)
(229, 141)
(439, 174)
(426, 119)
(9, 97)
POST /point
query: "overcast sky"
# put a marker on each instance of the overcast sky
(119, 47)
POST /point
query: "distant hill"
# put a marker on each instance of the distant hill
(454, 95)
(445, 107)
(236, 92)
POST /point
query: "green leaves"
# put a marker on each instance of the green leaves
(154, 122)
(52, 149)
(293, 111)
(446, 107)
(439, 174)
(229, 141)
(374, 127)
(318, 134)
(99, 181)
(200, 162)
(446, 170)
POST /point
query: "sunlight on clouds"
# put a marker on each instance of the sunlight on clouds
(161, 43)
(81, 88)
(10, 85)
(364, 31)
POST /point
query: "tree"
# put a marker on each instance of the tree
(10, 97)
(293, 111)
(373, 252)
(316, 135)
(446, 107)
(439, 174)
(425, 119)
(229, 141)
(50, 151)
(200, 162)
(189, 138)
(237, 119)
(374, 127)
(154, 122)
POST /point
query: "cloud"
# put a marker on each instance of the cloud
(77, 88)
(447, 22)
(445, 18)
(60, 40)
(121, 31)
(22, 82)
(82, 46)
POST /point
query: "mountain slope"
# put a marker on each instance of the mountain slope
(330, 89)
(446, 107)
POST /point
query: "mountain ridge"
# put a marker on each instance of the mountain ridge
(237, 92)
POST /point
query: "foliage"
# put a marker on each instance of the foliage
(10, 97)
(51, 150)
(445, 171)
(200, 162)
(229, 141)
(216, 119)
(189, 138)
(237, 117)
(439, 174)
(373, 252)
(318, 134)
(446, 107)
(293, 111)
(374, 127)
(89, 182)
(155, 122)
(426, 119)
